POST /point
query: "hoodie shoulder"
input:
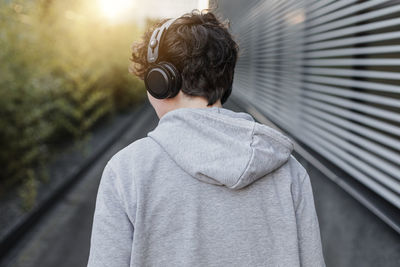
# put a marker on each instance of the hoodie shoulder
(133, 154)
(297, 170)
(298, 174)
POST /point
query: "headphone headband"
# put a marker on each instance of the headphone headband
(154, 43)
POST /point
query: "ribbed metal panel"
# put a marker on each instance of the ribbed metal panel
(327, 72)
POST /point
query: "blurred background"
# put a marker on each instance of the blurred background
(324, 72)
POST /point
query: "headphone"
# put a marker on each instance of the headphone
(163, 79)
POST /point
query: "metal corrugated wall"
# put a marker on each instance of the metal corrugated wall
(327, 72)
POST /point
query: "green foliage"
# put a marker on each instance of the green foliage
(62, 70)
(28, 191)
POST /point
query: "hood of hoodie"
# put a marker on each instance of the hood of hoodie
(220, 146)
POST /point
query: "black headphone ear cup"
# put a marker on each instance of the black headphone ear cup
(175, 78)
(157, 81)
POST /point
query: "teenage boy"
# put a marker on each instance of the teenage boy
(208, 186)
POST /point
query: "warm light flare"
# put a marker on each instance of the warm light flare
(202, 4)
(115, 8)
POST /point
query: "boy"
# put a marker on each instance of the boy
(208, 186)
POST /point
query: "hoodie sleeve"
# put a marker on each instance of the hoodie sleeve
(112, 230)
(310, 248)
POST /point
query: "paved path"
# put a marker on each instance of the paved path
(62, 237)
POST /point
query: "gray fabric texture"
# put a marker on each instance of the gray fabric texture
(206, 187)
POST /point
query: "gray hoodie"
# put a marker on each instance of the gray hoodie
(206, 187)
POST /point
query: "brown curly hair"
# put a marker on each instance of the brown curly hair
(201, 48)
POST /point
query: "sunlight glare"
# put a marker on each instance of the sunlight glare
(114, 8)
(202, 4)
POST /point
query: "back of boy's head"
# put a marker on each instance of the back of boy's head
(201, 48)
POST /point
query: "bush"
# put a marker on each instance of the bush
(62, 70)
